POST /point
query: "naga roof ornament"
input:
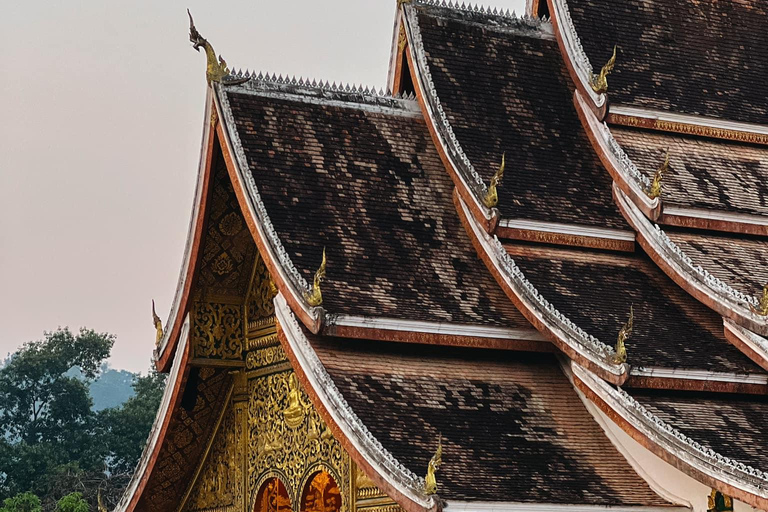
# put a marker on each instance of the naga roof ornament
(654, 190)
(315, 297)
(158, 325)
(217, 69)
(599, 82)
(491, 198)
(624, 334)
(430, 482)
(719, 502)
(762, 305)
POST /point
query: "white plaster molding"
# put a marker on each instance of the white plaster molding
(381, 460)
(754, 342)
(721, 216)
(443, 328)
(569, 229)
(700, 375)
(157, 426)
(672, 117)
(586, 345)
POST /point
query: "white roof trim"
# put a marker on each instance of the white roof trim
(569, 229)
(162, 412)
(700, 375)
(672, 117)
(589, 347)
(697, 213)
(444, 328)
(504, 506)
(384, 463)
(755, 342)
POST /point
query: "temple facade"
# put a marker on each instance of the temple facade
(530, 276)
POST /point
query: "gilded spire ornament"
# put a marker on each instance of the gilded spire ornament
(491, 198)
(430, 482)
(315, 297)
(158, 325)
(624, 334)
(599, 82)
(217, 69)
(762, 305)
(658, 177)
(719, 502)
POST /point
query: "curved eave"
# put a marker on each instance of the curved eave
(568, 337)
(164, 351)
(699, 283)
(467, 181)
(576, 60)
(169, 402)
(623, 171)
(752, 345)
(736, 479)
(385, 471)
(282, 270)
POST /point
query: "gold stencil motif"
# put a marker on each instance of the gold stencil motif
(217, 330)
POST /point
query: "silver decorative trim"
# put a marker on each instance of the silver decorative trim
(575, 50)
(700, 375)
(584, 343)
(702, 458)
(568, 229)
(402, 478)
(692, 119)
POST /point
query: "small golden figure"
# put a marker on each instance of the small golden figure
(315, 297)
(158, 325)
(599, 83)
(658, 178)
(491, 198)
(624, 334)
(762, 308)
(430, 482)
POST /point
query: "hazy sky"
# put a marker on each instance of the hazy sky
(100, 139)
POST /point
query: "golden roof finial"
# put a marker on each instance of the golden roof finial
(491, 198)
(217, 69)
(762, 307)
(430, 482)
(158, 325)
(658, 178)
(315, 297)
(599, 83)
(624, 334)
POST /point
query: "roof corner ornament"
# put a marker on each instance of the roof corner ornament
(599, 82)
(217, 69)
(719, 502)
(403, 2)
(315, 297)
(762, 303)
(658, 177)
(158, 325)
(491, 198)
(430, 482)
(626, 331)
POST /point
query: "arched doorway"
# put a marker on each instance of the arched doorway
(321, 494)
(273, 497)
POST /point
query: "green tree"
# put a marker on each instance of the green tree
(72, 502)
(23, 502)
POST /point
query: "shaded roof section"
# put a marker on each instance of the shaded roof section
(732, 425)
(704, 173)
(506, 90)
(687, 56)
(512, 427)
(739, 261)
(365, 182)
(595, 290)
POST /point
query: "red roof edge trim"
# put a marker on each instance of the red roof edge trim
(398, 482)
(467, 181)
(567, 336)
(699, 283)
(575, 58)
(752, 345)
(163, 354)
(285, 275)
(734, 478)
(168, 403)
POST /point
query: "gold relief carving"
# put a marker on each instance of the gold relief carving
(572, 240)
(265, 357)
(365, 488)
(288, 437)
(260, 310)
(402, 40)
(688, 129)
(223, 264)
(217, 330)
(231, 224)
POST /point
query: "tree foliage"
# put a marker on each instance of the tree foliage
(72, 502)
(22, 502)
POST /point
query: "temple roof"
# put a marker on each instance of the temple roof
(689, 57)
(512, 427)
(503, 88)
(365, 182)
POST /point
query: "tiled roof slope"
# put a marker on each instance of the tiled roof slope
(703, 173)
(596, 290)
(367, 184)
(739, 261)
(686, 56)
(733, 425)
(507, 90)
(512, 427)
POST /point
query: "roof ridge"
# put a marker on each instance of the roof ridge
(296, 84)
(485, 10)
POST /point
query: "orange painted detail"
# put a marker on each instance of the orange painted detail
(273, 497)
(321, 494)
